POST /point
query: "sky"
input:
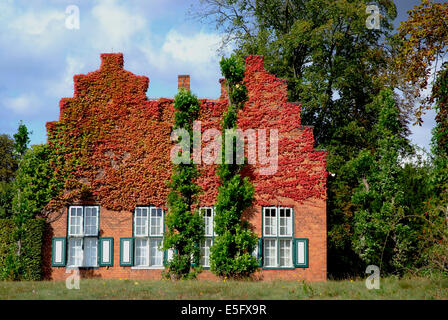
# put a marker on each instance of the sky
(39, 54)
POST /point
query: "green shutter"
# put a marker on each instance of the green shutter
(58, 252)
(106, 252)
(260, 252)
(300, 255)
(126, 252)
(165, 257)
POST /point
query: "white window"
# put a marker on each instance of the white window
(141, 222)
(75, 255)
(277, 237)
(270, 221)
(156, 255)
(141, 252)
(205, 252)
(270, 253)
(285, 253)
(285, 222)
(75, 221)
(148, 233)
(90, 252)
(91, 221)
(83, 229)
(208, 214)
(156, 222)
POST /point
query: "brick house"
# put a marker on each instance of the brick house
(112, 147)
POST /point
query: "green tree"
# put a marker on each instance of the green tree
(8, 167)
(231, 253)
(21, 139)
(382, 235)
(8, 160)
(185, 225)
(33, 187)
(424, 44)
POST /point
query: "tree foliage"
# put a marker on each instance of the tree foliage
(8, 159)
(425, 41)
(21, 139)
(231, 253)
(184, 224)
(381, 237)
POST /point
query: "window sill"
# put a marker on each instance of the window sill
(278, 268)
(147, 268)
(81, 267)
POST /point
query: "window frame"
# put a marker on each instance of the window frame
(278, 238)
(149, 237)
(207, 237)
(82, 236)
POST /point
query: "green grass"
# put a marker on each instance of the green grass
(391, 288)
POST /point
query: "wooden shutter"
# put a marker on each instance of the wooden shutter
(300, 253)
(106, 252)
(126, 252)
(58, 250)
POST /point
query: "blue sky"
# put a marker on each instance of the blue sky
(39, 55)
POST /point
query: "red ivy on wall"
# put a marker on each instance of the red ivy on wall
(112, 144)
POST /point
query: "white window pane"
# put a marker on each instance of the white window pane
(205, 252)
(285, 222)
(270, 253)
(141, 252)
(270, 222)
(75, 254)
(90, 252)
(141, 221)
(207, 215)
(75, 221)
(156, 221)
(91, 221)
(285, 253)
(156, 254)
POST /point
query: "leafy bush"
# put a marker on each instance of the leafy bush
(27, 265)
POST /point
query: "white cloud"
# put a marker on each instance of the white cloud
(64, 86)
(198, 49)
(24, 104)
(36, 23)
(116, 25)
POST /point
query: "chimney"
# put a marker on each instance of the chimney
(183, 81)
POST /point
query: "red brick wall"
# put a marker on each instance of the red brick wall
(309, 218)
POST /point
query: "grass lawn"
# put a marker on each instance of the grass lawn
(410, 288)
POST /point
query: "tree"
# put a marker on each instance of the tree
(35, 184)
(8, 167)
(425, 41)
(231, 253)
(21, 139)
(381, 235)
(33, 187)
(8, 160)
(335, 67)
(185, 225)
